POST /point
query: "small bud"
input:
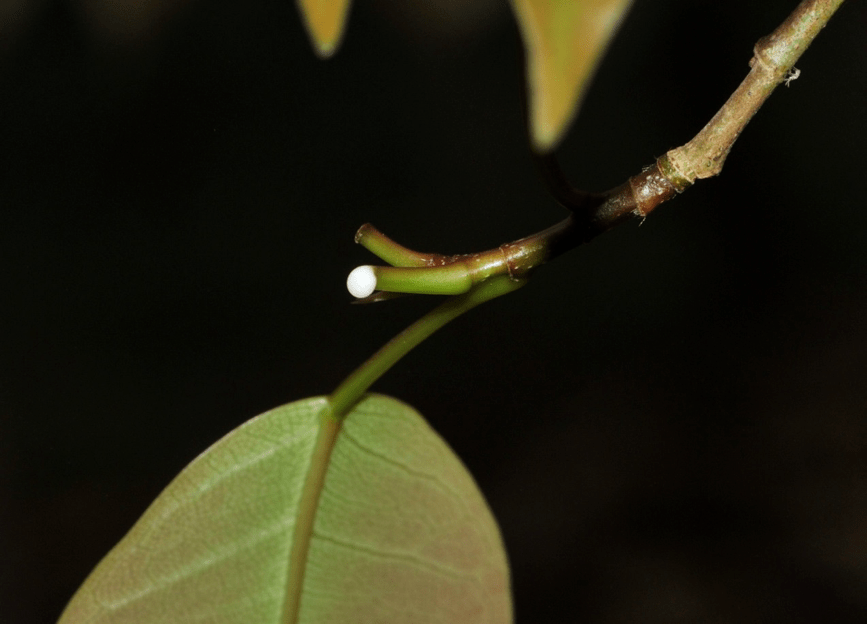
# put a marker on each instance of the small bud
(361, 282)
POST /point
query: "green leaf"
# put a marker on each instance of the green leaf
(564, 40)
(325, 21)
(293, 517)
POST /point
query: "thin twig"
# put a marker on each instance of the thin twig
(773, 63)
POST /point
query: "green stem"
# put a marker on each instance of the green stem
(395, 254)
(350, 391)
(451, 279)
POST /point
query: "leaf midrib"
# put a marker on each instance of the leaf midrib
(311, 492)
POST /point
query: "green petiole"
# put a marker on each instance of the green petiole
(353, 387)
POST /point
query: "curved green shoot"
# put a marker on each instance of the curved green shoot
(394, 253)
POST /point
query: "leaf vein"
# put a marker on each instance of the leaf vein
(404, 557)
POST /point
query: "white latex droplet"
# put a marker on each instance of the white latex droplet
(361, 282)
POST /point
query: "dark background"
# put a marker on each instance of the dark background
(670, 423)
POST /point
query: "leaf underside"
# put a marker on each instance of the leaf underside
(401, 533)
(564, 40)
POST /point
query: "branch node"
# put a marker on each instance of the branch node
(760, 56)
(675, 177)
(650, 188)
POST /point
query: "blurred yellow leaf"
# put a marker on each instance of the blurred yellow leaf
(564, 40)
(325, 21)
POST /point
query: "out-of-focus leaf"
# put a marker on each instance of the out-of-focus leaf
(325, 21)
(401, 532)
(564, 40)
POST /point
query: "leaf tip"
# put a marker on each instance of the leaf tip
(325, 50)
(546, 131)
(361, 282)
(325, 21)
(564, 41)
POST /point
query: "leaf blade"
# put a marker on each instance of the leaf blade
(564, 41)
(412, 578)
(227, 562)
